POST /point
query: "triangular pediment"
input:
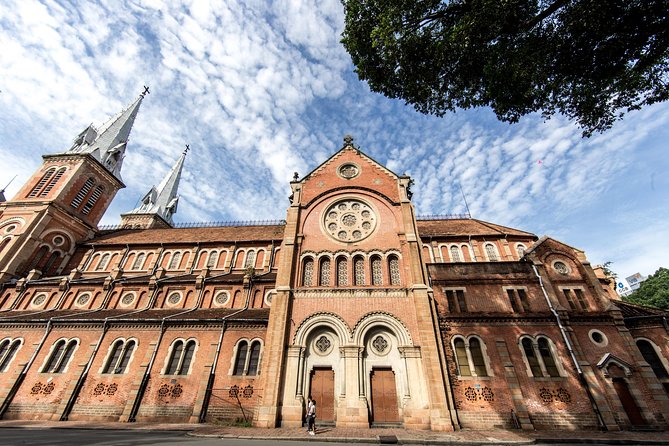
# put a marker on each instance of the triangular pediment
(610, 359)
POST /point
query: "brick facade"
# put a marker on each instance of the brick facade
(435, 324)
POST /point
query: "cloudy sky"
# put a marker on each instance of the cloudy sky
(261, 89)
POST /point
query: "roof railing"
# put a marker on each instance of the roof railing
(205, 224)
(443, 217)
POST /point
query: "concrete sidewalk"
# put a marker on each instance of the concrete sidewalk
(374, 436)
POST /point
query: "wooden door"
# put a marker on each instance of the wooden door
(631, 409)
(384, 397)
(322, 390)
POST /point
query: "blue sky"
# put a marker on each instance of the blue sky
(262, 89)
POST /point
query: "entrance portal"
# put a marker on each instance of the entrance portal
(384, 397)
(631, 409)
(322, 390)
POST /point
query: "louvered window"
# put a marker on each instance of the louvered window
(92, 200)
(40, 184)
(79, 198)
(52, 182)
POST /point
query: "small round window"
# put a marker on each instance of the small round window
(58, 240)
(561, 268)
(380, 345)
(221, 298)
(127, 299)
(269, 296)
(10, 228)
(598, 338)
(83, 299)
(348, 171)
(39, 300)
(323, 345)
(174, 298)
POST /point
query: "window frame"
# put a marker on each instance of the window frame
(539, 357)
(241, 365)
(58, 361)
(7, 356)
(474, 369)
(183, 352)
(458, 302)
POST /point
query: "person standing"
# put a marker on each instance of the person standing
(312, 418)
(308, 417)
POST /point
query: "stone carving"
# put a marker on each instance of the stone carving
(167, 390)
(105, 389)
(560, 395)
(479, 393)
(323, 344)
(380, 344)
(44, 389)
(349, 220)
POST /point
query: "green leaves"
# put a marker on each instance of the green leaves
(654, 291)
(591, 60)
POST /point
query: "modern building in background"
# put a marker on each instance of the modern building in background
(384, 317)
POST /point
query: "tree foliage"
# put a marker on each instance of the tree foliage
(654, 291)
(591, 60)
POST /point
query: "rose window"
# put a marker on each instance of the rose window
(128, 299)
(349, 220)
(380, 344)
(349, 171)
(323, 344)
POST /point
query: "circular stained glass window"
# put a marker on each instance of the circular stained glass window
(349, 220)
(174, 298)
(39, 299)
(222, 298)
(349, 171)
(380, 344)
(83, 299)
(127, 299)
(561, 268)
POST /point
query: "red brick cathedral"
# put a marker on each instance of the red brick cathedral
(383, 317)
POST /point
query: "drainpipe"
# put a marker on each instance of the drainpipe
(572, 355)
(212, 372)
(84, 375)
(24, 371)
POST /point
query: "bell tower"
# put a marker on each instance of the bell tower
(63, 201)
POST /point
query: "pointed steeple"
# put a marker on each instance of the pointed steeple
(107, 144)
(162, 200)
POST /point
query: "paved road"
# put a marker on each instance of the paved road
(99, 437)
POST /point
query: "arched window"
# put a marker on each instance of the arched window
(212, 261)
(139, 261)
(240, 361)
(539, 356)
(95, 196)
(8, 349)
(455, 254)
(377, 271)
(491, 252)
(649, 355)
(308, 272)
(342, 271)
(181, 357)
(254, 359)
(119, 357)
(52, 182)
(34, 263)
(79, 198)
(461, 357)
(394, 268)
(520, 249)
(174, 261)
(60, 356)
(104, 261)
(359, 270)
(469, 357)
(250, 259)
(52, 262)
(325, 272)
(40, 184)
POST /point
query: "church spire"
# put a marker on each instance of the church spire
(107, 144)
(162, 200)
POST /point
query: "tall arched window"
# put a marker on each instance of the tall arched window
(325, 272)
(240, 360)
(254, 359)
(394, 268)
(8, 349)
(250, 259)
(40, 184)
(52, 263)
(212, 261)
(461, 357)
(104, 261)
(455, 254)
(377, 271)
(119, 357)
(60, 356)
(491, 252)
(650, 356)
(469, 357)
(79, 198)
(308, 272)
(139, 261)
(539, 356)
(95, 196)
(359, 270)
(34, 263)
(477, 357)
(174, 261)
(52, 182)
(342, 271)
(181, 357)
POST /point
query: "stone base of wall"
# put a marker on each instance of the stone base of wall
(165, 414)
(230, 414)
(19, 411)
(568, 421)
(485, 420)
(97, 412)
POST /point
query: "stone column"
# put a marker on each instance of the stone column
(352, 407)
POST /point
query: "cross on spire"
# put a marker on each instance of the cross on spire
(186, 149)
(146, 91)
